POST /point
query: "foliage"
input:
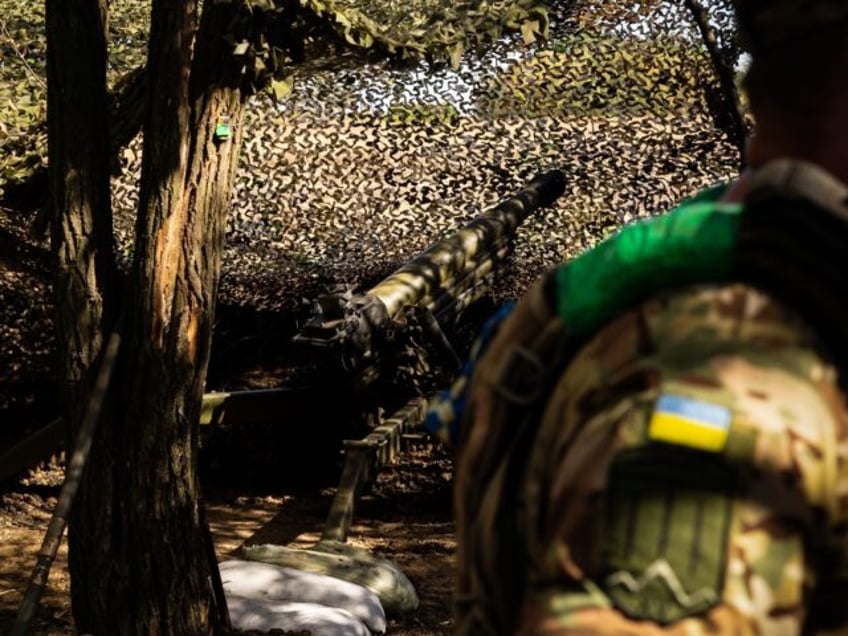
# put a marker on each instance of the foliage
(128, 30)
(23, 91)
(271, 38)
(589, 74)
(432, 27)
(23, 83)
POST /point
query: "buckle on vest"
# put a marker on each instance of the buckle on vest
(519, 378)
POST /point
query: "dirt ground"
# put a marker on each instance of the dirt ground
(407, 518)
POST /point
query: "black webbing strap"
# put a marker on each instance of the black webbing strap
(793, 244)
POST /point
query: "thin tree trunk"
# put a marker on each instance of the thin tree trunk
(738, 130)
(83, 250)
(82, 241)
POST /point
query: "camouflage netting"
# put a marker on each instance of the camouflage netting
(363, 167)
(366, 164)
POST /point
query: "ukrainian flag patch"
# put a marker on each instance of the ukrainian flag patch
(690, 422)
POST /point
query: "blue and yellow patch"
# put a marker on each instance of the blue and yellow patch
(690, 422)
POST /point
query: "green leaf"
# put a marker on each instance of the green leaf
(529, 30)
(456, 54)
(280, 88)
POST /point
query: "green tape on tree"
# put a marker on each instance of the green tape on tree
(222, 127)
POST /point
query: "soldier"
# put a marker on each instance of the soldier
(654, 441)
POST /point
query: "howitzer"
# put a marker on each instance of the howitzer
(435, 287)
(432, 290)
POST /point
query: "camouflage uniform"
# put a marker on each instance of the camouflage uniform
(688, 476)
(725, 517)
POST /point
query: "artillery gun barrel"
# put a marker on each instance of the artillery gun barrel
(468, 249)
(469, 287)
(444, 279)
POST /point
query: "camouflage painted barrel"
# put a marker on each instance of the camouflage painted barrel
(469, 255)
(442, 281)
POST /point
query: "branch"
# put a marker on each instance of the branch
(35, 76)
(727, 81)
(73, 477)
(29, 190)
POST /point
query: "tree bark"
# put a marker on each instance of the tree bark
(157, 577)
(147, 573)
(136, 536)
(164, 585)
(82, 244)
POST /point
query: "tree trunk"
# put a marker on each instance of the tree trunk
(83, 250)
(82, 242)
(148, 573)
(164, 587)
(136, 536)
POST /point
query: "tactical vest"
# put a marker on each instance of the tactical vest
(786, 240)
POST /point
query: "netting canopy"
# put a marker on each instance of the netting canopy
(366, 163)
(363, 166)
